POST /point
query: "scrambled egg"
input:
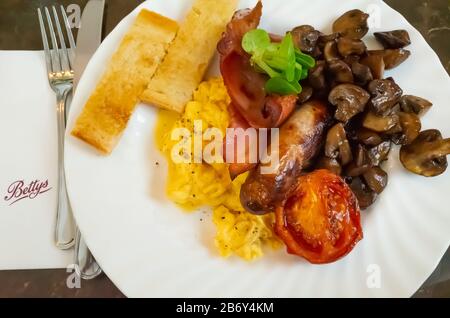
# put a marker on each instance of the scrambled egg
(193, 185)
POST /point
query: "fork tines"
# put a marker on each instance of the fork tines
(59, 58)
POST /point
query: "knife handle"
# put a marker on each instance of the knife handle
(87, 267)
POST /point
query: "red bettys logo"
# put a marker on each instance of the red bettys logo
(20, 190)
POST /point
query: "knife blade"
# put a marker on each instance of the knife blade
(88, 40)
(89, 36)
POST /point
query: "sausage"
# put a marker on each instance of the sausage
(279, 107)
(300, 139)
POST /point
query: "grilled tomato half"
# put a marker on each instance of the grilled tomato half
(320, 221)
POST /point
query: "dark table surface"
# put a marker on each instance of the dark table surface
(19, 31)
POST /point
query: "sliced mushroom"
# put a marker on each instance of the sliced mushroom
(361, 74)
(379, 153)
(340, 72)
(414, 104)
(376, 64)
(378, 123)
(316, 76)
(397, 129)
(352, 24)
(317, 53)
(426, 155)
(376, 179)
(349, 100)
(393, 58)
(385, 95)
(324, 39)
(347, 46)
(329, 164)
(305, 38)
(351, 59)
(362, 158)
(410, 125)
(360, 164)
(353, 170)
(330, 52)
(394, 39)
(305, 95)
(366, 197)
(368, 137)
(337, 145)
(396, 108)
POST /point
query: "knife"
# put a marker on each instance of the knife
(88, 40)
(89, 36)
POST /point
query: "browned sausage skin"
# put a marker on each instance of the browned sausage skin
(300, 139)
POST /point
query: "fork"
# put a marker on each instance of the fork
(59, 61)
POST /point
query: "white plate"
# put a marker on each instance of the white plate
(148, 247)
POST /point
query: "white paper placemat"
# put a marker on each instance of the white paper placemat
(28, 164)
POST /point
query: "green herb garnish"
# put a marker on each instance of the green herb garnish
(283, 62)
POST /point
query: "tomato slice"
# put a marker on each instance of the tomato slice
(320, 221)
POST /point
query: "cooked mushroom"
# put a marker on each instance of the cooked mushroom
(362, 158)
(317, 53)
(329, 164)
(337, 145)
(360, 164)
(376, 64)
(414, 104)
(394, 39)
(366, 197)
(351, 59)
(305, 95)
(330, 52)
(325, 38)
(361, 74)
(352, 24)
(305, 38)
(379, 153)
(396, 108)
(426, 155)
(340, 72)
(316, 76)
(353, 170)
(385, 95)
(393, 58)
(368, 137)
(347, 46)
(410, 125)
(376, 179)
(349, 100)
(378, 123)
(396, 129)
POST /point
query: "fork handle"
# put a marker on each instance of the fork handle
(65, 225)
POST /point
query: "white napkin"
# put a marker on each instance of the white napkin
(28, 164)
